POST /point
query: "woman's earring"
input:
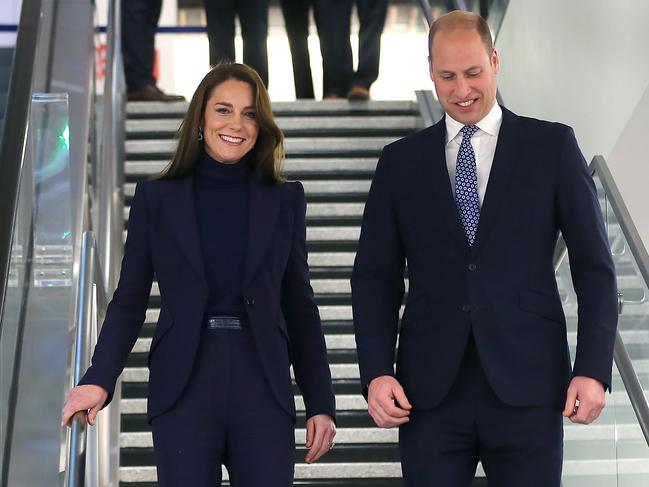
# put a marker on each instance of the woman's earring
(200, 133)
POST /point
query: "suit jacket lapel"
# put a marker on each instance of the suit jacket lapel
(435, 160)
(179, 205)
(501, 171)
(264, 209)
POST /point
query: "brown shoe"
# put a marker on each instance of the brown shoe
(151, 92)
(358, 93)
(332, 96)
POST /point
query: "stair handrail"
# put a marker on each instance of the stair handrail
(636, 246)
(110, 217)
(426, 10)
(623, 362)
(84, 446)
(90, 457)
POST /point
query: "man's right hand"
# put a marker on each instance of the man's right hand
(87, 398)
(387, 403)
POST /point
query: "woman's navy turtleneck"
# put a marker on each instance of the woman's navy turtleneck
(221, 199)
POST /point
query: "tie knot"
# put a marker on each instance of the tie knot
(469, 130)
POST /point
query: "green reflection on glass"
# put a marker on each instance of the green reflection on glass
(65, 137)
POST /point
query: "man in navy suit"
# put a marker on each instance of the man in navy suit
(474, 205)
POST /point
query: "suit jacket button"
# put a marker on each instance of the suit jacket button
(466, 308)
(250, 302)
(472, 267)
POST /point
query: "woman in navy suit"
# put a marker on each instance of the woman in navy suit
(226, 239)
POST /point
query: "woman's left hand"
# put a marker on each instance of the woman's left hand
(320, 432)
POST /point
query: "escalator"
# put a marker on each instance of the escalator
(6, 60)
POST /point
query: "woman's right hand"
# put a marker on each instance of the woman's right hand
(88, 399)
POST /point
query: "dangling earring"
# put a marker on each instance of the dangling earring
(200, 133)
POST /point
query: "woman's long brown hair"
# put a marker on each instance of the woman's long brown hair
(268, 151)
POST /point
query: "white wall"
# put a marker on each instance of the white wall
(629, 161)
(9, 15)
(582, 62)
(585, 63)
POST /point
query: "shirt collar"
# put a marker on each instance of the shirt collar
(490, 124)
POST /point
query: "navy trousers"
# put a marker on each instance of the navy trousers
(518, 446)
(139, 23)
(296, 19)
(226, 416)
(334, 29)
(253, 17)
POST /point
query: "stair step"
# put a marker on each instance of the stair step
(346, 453)
(302, 107)
(336, 188)
(356, 147)
(292, 167)
(310, 126)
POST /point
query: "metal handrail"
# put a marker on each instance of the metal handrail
(638, 250)
(620, 355)
(104, 462)
(89, 453)
(426, 10)
(76, 453)
(111, 173)
(83, 468)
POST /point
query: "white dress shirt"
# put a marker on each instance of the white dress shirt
(483, 143)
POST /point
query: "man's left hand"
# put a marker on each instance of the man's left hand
(585, 400)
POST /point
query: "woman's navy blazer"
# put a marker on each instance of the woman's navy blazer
(284, 319)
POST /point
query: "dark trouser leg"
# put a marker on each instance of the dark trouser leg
(371, 15)
(484, 8)
(334, 18)
(253, 15)
(189, 440)
(440, 447)
(261, 438)
(521, 445)
(517, 445)
(220, 29)
(296, 18)
(139, 23)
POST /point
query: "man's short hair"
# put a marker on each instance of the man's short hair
(459, 19)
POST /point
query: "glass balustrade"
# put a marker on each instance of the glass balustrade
(612, 451)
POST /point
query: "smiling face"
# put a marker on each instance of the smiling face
(464, 74)
(229, 122)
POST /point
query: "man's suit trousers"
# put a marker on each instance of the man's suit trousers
(253, 17)
(296, 19)
(139, 23)
(334, 18)
(518, 446)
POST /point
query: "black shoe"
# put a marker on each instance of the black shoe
(151, 92)
(358, 93)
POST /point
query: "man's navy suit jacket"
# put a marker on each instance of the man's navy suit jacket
(284, 320)
(503, 289)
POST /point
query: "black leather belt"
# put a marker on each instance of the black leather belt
(224, 323)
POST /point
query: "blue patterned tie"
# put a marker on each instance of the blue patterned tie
(466, 185)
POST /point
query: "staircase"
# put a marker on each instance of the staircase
(332, 147)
